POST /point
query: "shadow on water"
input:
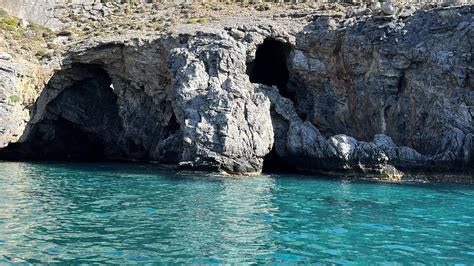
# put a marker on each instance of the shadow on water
(171, 173)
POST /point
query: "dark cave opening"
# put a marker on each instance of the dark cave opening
(59, 140)
(273, 163)
(270, 66)
(173, 126)
(81, 123)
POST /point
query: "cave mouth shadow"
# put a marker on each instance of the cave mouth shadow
(274, 164)
(78, 124)
(270, 66)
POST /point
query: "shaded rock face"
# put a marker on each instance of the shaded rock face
(81, 122)
(95, 111)
(408, 79)
(380, 96)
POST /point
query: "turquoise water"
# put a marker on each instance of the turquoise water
(129, 213)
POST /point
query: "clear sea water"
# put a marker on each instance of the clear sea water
(133, 213)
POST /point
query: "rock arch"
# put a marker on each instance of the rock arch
(76, 117)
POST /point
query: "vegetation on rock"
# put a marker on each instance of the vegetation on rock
(14, 98)
(28, 40)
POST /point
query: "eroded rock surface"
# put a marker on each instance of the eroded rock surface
(227, 122)
(407, 78)
(382, 95)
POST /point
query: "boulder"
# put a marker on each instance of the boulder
(5, 56)
(389, 8)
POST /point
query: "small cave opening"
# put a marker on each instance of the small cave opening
(80, 123)
(172, 127)
(273, 163)
(170, 145)
(270, 66)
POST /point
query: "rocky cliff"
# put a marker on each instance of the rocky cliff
(337, 91)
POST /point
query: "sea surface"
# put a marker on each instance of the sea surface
(135, 213)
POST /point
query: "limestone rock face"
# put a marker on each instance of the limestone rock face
(408, 79)
(226, 122)
(20, 85)
(381, 95)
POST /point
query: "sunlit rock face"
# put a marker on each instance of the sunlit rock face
(39, 11)
(377, 96)
(173, 103)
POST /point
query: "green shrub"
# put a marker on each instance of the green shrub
(12, 21)
(8, 23)
(6, 27)
(17, 35)
(14, 98)
(41, 53)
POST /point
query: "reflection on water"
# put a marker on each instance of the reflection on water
(126, 213)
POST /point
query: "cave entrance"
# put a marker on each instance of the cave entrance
(273, 163)
(80, 123)
(270, 66)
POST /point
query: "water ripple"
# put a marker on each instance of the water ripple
(132, 213)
